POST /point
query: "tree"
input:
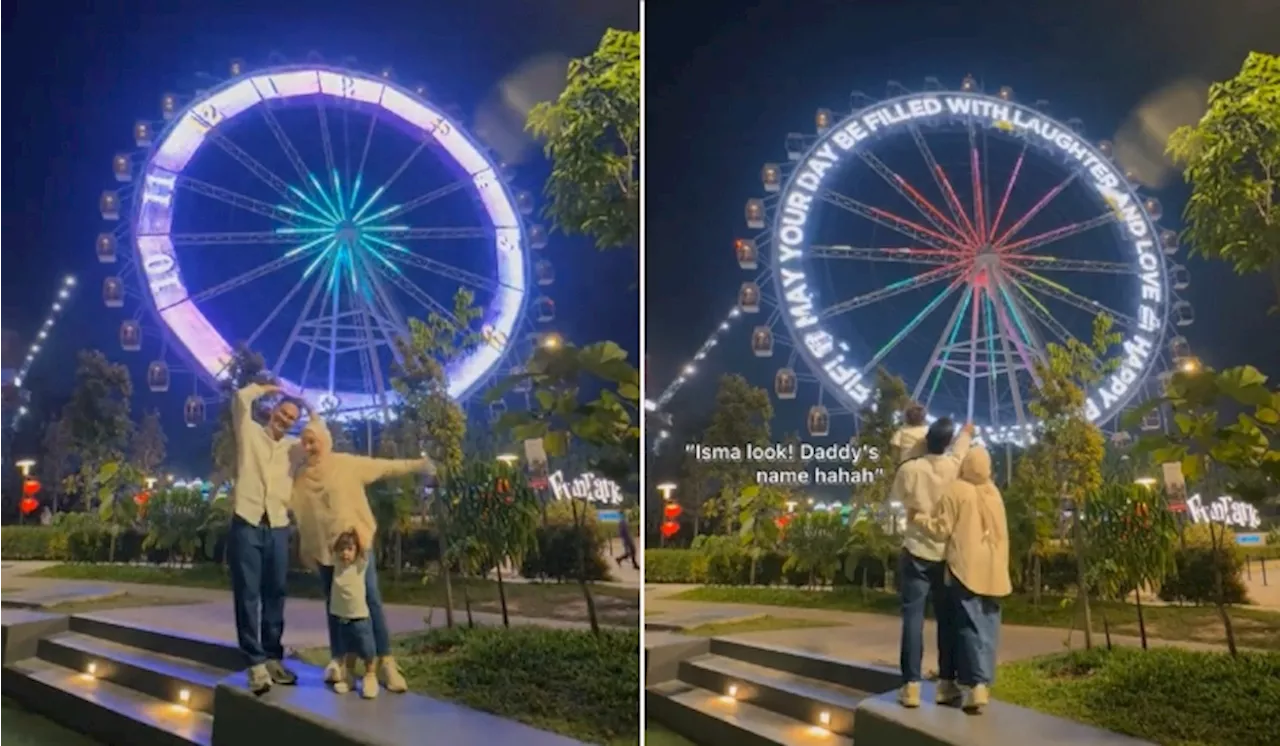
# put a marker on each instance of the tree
(742, 416)
(429, 420)
(813, 542)
(1222, 454)
(59, 458)
(1070, 445)
(1132, 537)
(99, 426)
(877, 422)
(558, 373)
(1231, 158)
(591, 135)
(758, 510)
(1032, 502)
(174, 519)
(147, 450)
(244, 367)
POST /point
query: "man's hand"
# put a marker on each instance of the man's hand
(967, 429)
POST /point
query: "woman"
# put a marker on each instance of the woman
(971, 518)
(328, 500)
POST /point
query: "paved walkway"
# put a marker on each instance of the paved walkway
(873, 638)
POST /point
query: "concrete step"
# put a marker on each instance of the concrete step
(162, 676)
(713, 719)
(206, 651)
(109, 712)
(808, 700)
(860, 677)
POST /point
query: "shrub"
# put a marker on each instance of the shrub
(33, 543)
(719, 561)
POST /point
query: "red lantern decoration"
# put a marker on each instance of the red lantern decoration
(30, 487)
(782, 521)
(672, 510)
(504, 486)
(141, 498)
(669, 529)
(28, 505)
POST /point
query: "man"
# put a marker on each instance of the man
(258, 542)
(918, 485)
(628, 542)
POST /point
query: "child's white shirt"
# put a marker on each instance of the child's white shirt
(909, 442)
(348, 598)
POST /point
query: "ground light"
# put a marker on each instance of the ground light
(90, 670)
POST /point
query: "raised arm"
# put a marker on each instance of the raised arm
(959, 449)
(242, 403)
(375, 469)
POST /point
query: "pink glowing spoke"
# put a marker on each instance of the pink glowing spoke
(1035, 209)
(1057, 234)
(925, 205)
(905, 255)
(979, 215)
(956, 204)
(912, 225)
(1004, 201)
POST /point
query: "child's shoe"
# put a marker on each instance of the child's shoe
(369, 687)
(341, 686)
(390, 675)
(333, 672)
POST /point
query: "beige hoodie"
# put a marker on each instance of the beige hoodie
(908, 442)
(919, 484)
(329, 496)
(971, 517)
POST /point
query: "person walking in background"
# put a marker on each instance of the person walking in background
(918, 485)
(329, 499)
(258, 542)
(971, 518)
(628, 542)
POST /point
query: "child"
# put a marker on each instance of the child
(350, 605)
(908, 441)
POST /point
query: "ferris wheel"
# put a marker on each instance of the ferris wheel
(948, 236)
(309, 211)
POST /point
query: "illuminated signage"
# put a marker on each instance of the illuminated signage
(586, 486)
(832, 357)
(1225, 510)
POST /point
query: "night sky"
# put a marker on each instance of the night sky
(76, 79)
(726, 84)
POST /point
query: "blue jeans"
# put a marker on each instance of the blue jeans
(357, 637)
(978, 630)
(259, 559)
(921, 581)
(377, 618)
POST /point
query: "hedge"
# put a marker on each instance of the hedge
(556, 558)
(1191, 582)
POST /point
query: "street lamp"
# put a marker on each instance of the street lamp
(552, 341)
(1190, 365)
(151, 482)
(665, 489)
(25, 465)
(1145, 481)
(509, 459)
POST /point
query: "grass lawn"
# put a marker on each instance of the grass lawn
(757, 624)
(656, 735)
(1169, 696)
(21, 727)
(567, 681)
(614, 605)
(1255, 628)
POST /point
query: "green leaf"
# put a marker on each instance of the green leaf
(629, 391)
(556, 444)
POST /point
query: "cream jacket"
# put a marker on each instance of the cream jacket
(919, 485)
(971, 518)
(329, 495)
(264, 465)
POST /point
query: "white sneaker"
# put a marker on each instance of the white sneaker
(341, 686)
(333, 672)
(909, 694)
(976, 698)
(259, 679)
(369, 687)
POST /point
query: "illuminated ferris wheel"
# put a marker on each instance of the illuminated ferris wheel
(948, 237)
(308, 211)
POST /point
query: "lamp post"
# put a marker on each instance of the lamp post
(665, 489)
(510, 459)
(25, 466)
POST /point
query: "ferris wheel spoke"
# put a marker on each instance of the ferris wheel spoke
(1010, 336)
(1008, 189)
(942, 182)
(1066, 295)
(286, 145)
(895, 254)
(979, 208)
(403, 233)
(1040, 313)
(325, 141)
(397, 278)
(946, 342)
(424, 199)
(912, 324)
(235, 199)
(1057, 234)
(240, 280)
(276, 311)
(1035, 209)
(908, 228)
(912, 195)
(1010, 367)
(443, 269)
(297, 330)
(1014, 309)
(364, 158)
(264, 174)
(284, 236)
(1041, 262)
(897, 288)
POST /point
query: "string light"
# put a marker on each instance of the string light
(690, 369)
(55, 311)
